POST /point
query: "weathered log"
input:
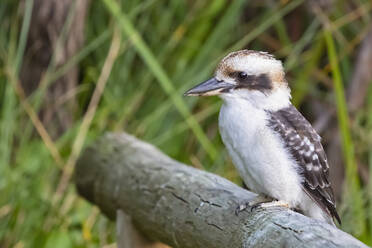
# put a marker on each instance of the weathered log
(186, 207)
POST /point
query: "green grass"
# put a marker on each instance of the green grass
(159, 73)
(352, 178)
(165, 48)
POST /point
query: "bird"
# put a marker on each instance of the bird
(275, 150)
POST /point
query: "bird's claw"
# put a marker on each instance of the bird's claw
(271, 204)
(254, 205)
(241, 208)
(244, 206)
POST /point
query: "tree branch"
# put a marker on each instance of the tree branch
(186, 207)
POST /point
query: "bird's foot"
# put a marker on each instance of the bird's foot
(260, 199)
(270, 204)
(241, 208)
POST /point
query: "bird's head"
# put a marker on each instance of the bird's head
(248, 75)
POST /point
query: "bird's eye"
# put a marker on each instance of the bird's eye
(242, 75)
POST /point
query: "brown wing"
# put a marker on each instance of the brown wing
(304, 144)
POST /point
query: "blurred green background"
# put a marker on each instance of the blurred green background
(73, 70)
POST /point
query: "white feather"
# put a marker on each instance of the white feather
(259, 154)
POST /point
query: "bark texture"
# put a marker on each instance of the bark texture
(56, 30)
(129, 237)
(186, 207)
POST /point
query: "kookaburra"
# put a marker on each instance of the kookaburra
(274, 148)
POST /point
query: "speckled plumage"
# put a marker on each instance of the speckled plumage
(305, 147)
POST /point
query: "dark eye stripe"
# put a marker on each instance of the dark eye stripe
(260, 82)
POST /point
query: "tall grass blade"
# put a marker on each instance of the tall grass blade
(352, 178)
(152, 63)
(24, 32)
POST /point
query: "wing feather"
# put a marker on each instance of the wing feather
(305, 146)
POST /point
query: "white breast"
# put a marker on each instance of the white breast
(258, 153)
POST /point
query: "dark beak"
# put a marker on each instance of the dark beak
(210, 87)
